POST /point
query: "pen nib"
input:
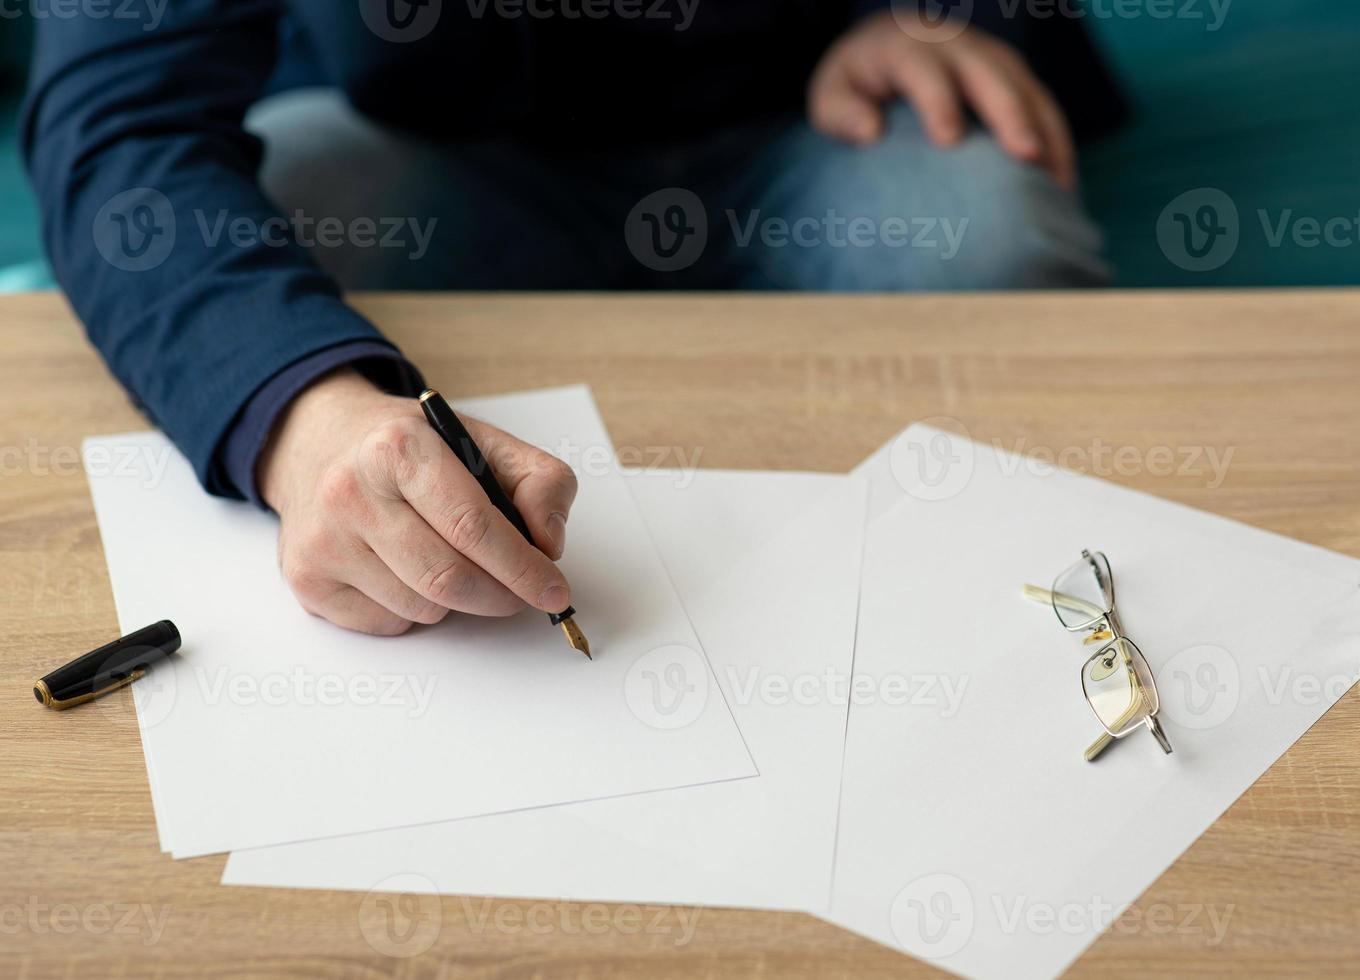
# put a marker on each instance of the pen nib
(575, 637)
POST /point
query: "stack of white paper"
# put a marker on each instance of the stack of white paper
(778, 624)
(930, 793)
(272, 725)
(972, 832)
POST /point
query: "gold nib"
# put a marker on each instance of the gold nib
(575, 637)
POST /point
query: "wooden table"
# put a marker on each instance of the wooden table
(748, 382)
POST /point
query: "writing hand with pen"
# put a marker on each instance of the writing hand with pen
(383, 526)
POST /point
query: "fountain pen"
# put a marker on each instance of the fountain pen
(456, 437)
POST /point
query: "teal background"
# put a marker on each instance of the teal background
(1264, 109)
(20, 250)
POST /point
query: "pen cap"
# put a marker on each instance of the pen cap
(111, 662)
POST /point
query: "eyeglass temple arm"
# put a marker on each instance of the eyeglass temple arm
(1094, 750)
(1106, 739)
(1049, 597)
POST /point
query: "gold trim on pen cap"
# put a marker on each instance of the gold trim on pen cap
(44, 693)
(108, 668)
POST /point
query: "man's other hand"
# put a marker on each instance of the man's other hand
(940, 71)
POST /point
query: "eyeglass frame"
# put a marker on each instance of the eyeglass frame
(1105, 622)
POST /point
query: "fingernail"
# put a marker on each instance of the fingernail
(557, 530)
(554, 599)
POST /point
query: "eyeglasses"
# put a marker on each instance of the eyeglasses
(1117, 681)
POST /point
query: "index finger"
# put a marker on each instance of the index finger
(456, 507)
(997, 98)
(541, 486)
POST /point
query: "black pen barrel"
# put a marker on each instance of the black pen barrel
(456, 436)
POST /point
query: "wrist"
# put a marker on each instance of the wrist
(308, 429)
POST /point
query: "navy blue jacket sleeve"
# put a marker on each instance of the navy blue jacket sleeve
(185, 277)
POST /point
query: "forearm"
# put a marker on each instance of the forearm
(179, 267)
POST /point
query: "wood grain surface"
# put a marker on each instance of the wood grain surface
(1146, 389)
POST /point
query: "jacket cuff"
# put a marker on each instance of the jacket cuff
(233, 471)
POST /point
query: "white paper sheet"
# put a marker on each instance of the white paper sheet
(274, 726)
(776, 613)
(972, 833)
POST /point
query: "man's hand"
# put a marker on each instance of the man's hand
(877, 61)
(383, 527)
